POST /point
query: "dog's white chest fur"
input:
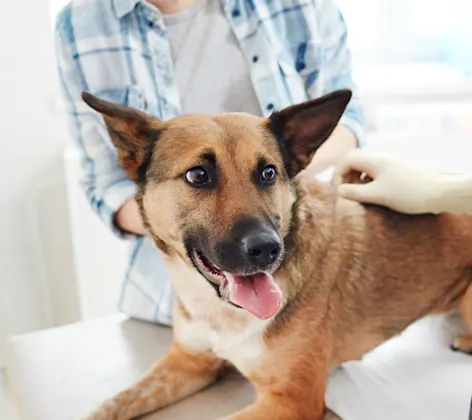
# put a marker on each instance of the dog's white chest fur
(243, 348)
(231, 334)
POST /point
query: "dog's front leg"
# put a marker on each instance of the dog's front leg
(177, 375)
(276, 407)
(295, 393)
(290, 379)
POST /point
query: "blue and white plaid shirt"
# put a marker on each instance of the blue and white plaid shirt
(118, 50)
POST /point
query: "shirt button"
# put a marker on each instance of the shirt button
(255, 59)
(301, 66)
(236, 13)
(151, 24)
(270, 107)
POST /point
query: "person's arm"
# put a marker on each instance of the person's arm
(335, 73)
(108, 189)
(338, 144)
(402, 187)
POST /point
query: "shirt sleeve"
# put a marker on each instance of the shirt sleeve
(104, 182)
(336, 72)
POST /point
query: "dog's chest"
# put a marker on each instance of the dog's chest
(243, 347)
(232, 334)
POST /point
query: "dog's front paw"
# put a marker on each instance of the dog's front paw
(463, 344)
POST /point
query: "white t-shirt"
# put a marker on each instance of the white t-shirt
(211, 72)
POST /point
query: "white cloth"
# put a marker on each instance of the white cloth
(414, 376)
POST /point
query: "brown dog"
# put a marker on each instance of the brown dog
(271, 271)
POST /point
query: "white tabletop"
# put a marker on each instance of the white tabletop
(63, 373)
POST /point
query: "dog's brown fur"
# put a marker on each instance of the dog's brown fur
(353, 276)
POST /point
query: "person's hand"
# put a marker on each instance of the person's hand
(128, 218)
(393, 184)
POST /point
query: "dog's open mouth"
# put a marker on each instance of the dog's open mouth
(257, 293)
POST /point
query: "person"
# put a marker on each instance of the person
(169, 58)
(402, 187)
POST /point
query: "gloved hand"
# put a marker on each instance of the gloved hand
(402, 187)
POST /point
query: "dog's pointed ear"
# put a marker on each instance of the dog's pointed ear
(301, 129)
(133, 133)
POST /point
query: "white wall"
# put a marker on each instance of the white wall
(36, 268)
(100, 258)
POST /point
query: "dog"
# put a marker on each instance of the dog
(273, 273)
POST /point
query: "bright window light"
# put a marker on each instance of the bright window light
(405, 31)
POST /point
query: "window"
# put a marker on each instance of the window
(404, 31)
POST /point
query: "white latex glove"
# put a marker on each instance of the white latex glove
(402, 187)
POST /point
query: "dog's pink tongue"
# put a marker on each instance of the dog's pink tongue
(258, 294)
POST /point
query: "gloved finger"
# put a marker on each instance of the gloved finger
(362, 193)
(359, 160)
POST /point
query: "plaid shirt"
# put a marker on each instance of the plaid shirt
(117, 50)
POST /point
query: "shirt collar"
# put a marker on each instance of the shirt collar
(123, 7)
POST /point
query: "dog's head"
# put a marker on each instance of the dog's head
(216, 190)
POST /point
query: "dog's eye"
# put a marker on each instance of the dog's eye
(268, 174)
(197, 176)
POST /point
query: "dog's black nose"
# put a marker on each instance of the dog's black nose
(261, 248)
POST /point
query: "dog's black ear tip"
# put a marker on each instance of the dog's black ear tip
(88, 98)
(95, 103)
(345, 94)
(339, 98)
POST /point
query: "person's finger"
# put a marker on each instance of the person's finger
(360, 161)
(362, 193)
